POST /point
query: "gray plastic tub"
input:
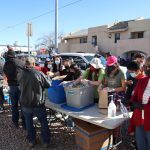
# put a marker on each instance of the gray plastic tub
(79, 97)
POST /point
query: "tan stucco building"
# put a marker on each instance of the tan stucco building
(121, 39)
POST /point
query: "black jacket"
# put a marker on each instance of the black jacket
(72, 76)
(1, 67)
(11, 68)
(32, 84)
(128, 93)
(64, 71)
(55, 68)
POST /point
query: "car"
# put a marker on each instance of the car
(23, 56)
(81, 59)
(2, 59)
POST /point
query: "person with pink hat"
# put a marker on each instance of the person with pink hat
(114, 82)
(115, 78)
(111, 60)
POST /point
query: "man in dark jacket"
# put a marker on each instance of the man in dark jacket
(1, 93)
(1, 87)
(11, 69)
(32, 85)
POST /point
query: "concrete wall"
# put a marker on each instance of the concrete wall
(83, 47)
(124, 46)
(106, 43)
(139, 25)
(103, 41)
(64, 47)
(73, 41)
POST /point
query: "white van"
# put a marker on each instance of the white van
(81, 59)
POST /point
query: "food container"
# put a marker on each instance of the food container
(79, 97)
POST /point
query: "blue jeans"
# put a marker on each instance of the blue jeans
(142, 138)
(40, 113)
(14, 94)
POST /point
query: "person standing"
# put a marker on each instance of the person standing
(135, 74)
(140, 59)
(115, 77)
(114, 83)
(11, 69)
(1, 94)
(140, 121)
(1, 87)
(45, 69)
(32, 85)
(73, 74)
(94, 76)
(56, 64)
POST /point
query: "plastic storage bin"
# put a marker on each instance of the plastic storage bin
(56, 82)
(79, 97)
(56, 94)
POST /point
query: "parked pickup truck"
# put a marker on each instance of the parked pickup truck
(81, 59)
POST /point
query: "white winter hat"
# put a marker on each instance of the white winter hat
(96, 63)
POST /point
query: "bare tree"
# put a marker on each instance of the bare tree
(47, 42)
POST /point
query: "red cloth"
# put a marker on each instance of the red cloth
(141, 75)
(38, 68)
(44, 70)
(136, 119)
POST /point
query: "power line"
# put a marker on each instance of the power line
(36, 17)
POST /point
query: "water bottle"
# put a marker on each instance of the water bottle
(111, 108)
(124, 110)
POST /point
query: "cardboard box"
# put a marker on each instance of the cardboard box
(103, 99)
(92, 137)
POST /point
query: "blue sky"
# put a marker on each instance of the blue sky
(15, 14)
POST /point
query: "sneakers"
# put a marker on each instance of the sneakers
(133, 144)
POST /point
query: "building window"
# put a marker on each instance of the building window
(117, 37)
(137, 35)
(94, 40)
(83, 40)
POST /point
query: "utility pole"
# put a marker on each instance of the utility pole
(56, 25)
(15, 44)
(29, 34)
